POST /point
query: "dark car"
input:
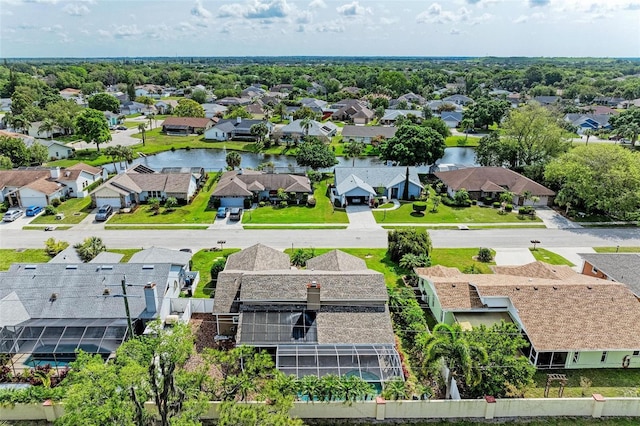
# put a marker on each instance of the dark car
(121, 127)
(33, 211)
(104, 212)
(222, 212)
(235, 213)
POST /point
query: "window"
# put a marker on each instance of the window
(576, 357)
(636, 353)
(603, 358)
(594, 269)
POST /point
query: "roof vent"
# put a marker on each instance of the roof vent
(555, 288)
(589, 287)
(107, 267)
(72, 267)
(30, 267)
(147, 267)
(106, 292)
(53, 297)
(517, 288)
(535, 288)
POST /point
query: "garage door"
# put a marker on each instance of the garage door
(232, 202)
(113, 202)
(33, 201)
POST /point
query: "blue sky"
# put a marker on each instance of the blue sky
(104, 28)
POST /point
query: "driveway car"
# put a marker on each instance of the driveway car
(121, 127)
(33, 211)
(104, 212)
(11, 215)
(222, 212)
(235, 213)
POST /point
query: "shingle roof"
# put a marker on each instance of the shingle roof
(352, 182)
(473, 179)
(316, 129)
(562, 314)
(350, 131)
(336, 260)
(195, 122)
(45, 185)
(377, 176)
(240, 183)
(622, 267)
(19, 178)
(258, 258)
(536, 269)
(132, 182)
(161, 255)
(355, 327)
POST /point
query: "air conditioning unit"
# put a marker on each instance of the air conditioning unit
(236, 319)
(171, 319)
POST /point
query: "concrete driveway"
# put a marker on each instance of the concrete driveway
(361, 217)
(513, 256)
(554, 220)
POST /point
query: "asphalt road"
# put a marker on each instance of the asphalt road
(325, 238)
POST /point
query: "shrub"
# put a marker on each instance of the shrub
(419, 207)
(171, 203)
(447, 201)
(56, 202)
(337, 202)
(474, 202)
(247, 203)
(508, 208)
(403, 241)
(412, 197)
(496, 204)
(283, 204)
(53, 247)
(484, 255)
(217, 267)
(50, 210)
(262, 204)
(4, 206)
(300, 256)
(216, 203)
(526, 210)
(311, 201)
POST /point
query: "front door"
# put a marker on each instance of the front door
(394, 193)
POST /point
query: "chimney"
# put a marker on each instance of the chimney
(313, 296)
(55, 173)
(238, 120)
(150, 297)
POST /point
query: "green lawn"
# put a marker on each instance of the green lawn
(322, 213)
(460, 258)
(74, 209)
(617, 249)
(608, 382)
(446, 214)
(292, 226)
(201, 262)
(455, 141)
(9, 256)
(549, 257)
(196, 212)
(126, 252)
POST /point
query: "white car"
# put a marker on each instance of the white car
(11, 215)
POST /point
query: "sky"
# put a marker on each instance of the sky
(138, 28)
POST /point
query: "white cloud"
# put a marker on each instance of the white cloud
(126, 31)
(538, 3)
(454, 31)
(389, 21)
(304, 17)
(353, 9)
(199, 11)
(76, 9)
(230, 10)
(521, 19)
(317, 4)
(264, 9)
(330, 27)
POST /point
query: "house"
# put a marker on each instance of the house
(588, 121)
(281, 88)
(38, 186)
(333, 320)
(70, 93)
(571, 321)
(315, 105)
(149, 90)
(55, 150)
(366, 134)
(451, 118)
(459, 99)
(112, 118)
(135, 186)
(489, 182)
(230, 100)
(25, 138)
(599, 110)
(198, 173)
(234, 129)
(52, 310)
(360, 185)
(237, 185)
(610, 101)
(618, 267)
(409, 98)
(546, 100)
(255, 109)
(253, 92)
(213, 110)
(5, 104)
(352, 110)
(295, 130)
(184, 126)
(35, 131)
(391, 115)
(132, 107)
(166, 106)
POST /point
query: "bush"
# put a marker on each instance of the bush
(56, 202)
(53, 247)
(403, 241)
(216, 203)
(496, 204)
(484, 255)
(262, 204)
(311, 201)
(217, 267)
(419, 207)
(283, 204)
(337, 203)
(50, 210)
(526, 210)
(300, 256)
(4, 206)
(448, 201)
(474, 202)
(508, 208)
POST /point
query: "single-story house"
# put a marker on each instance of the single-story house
(451, 118)
(360, 185)
(608, 101)
(366, 134)
(234, 129)
(316, 105)
(166, 106)
(489, 182)
(198, 173)
(437, 106)
(237, 185)
(294, 129)
(409, 98)
(35, 131)
(619, 267)
(132, 107)
(571, 321)
(38, 186)
(230, 100)
(459, 99)
(391, 115)
(55, 150)
(589, 121)
(212, 110)
(112, 118)
(546, 100)
(352, 110)
(186, 125)
(132, 187)
(330, 318)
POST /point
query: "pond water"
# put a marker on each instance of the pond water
(214, 159)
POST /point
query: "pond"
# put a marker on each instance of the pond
(214, 159)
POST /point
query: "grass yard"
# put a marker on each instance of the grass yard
(201, 262)
(169, 227)
(74, 209)
(196, 212)
(461, 258)
(617, 249)
(549, 257)
(456, 141)
(446, 214)
(9, 256)
(294, 227)
(606, 381)
(126, 252)
(323, 212)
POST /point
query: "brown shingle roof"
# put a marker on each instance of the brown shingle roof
(19, 178)
(355, 327)
(195, 122)
(85, 167)
(45, 186)
(258, 258)
(438, 271)
(236, 184)
(473, 179)
(336, 260)
(536, 269)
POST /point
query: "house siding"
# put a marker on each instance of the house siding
(591, 359)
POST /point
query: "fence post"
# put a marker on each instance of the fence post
(380, 408)
(490, 408)
(598, 405)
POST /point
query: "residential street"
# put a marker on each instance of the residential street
(339, 238)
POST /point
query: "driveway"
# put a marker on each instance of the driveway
(571, 254)
(361, 217)
(554, 220)
(513, 256)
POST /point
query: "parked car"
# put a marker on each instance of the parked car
(11, 215)
(33, 211)
(104, 212)
(222, 212)
(235, 213)
(121, 127)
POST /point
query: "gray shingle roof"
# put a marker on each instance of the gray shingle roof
(377, 176)
(336, 260)
(258, 258)
(622, 267)
(161, 255)
(350, 131)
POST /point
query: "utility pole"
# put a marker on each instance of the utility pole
(126, 305)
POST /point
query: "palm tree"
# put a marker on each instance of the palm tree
(268, 109)
(461, 357)
(233, 160)
(467, 124)
(114, 153)
(126, 153)
(150, 117)
(353, 150)
(143, 131)
(331, 388)
(19, 122)
(309, 386)
(90, 248)
(281, 110)
(47, 126)
(588, 133)
(395, 389)
(306, 123)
